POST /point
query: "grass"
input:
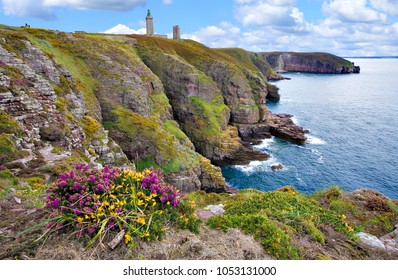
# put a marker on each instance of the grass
(173, 156)
(173, 128)
(65, 55)
(275, 218)
(208, 116)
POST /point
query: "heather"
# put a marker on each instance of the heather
(96, 203)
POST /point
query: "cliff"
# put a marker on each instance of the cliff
(309, 62)
(131, 101)
(138, 102)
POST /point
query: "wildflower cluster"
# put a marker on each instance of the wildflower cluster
(97, 202)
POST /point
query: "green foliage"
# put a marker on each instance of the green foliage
(7, 182)
(173, 128)
(99, 202)
(65, 52)
(203, 199)
(275, 241)
(274, 218)
(8, 149)
(145, 163)
(208, 116)
(91, 128)
(342, 206)
(9, 125)
(331, 193)
(173, 157)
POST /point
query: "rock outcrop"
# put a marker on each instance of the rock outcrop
(133, 100)
(309, 62)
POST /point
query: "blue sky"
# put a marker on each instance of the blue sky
(342, 27)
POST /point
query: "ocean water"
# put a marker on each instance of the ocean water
(353, 139)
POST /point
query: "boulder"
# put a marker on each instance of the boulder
(371, 240)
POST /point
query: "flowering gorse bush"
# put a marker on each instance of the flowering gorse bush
(97, 202)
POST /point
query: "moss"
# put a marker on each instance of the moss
(147, 162)
(92, 129)
(202, 199)
(208, 116)
(60, 104)
(275, 218)
(57, 150)
(36, 163)
(331, 193)
(9, 125)
(8, 149)
(6, 174)
(173, 157)
(160, 105)
(274, 240)
(342, 206)
(64, 53)
(54, 132)
(173, 128)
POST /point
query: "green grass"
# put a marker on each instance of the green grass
(9, 125)
(209, 116)
(174, 157)
(274, 218)
(173, 128)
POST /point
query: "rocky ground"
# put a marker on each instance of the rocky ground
(16, 216)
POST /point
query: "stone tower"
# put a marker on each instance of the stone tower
(176, 32)
(149, 24)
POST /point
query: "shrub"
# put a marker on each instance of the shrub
(98, 202)
(378, 204)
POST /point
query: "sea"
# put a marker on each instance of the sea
(353, 138)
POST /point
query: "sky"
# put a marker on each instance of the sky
(342, 27)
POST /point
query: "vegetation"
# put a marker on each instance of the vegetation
(98, 202)
(278, 218)
(137, 126)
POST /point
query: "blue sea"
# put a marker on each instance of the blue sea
(353, 139)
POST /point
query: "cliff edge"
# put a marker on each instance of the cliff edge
(309, 62)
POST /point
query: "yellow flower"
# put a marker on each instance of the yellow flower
(141, 221)
(140, 194)
(145, 234)
(80, 220)
(343, 217)
(153, 204)
(140, 202)
(127, 238)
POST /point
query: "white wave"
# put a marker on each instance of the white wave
(265, 143)
(319, 155)
(251, 167)
(260, 166)
(295, 120)
(315, 140)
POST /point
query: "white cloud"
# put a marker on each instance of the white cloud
(27, 8)
(43, 8)
(352, 11)
(167, 2)
(265, 12)
(389, 7)
(223, 35)
(123, 29)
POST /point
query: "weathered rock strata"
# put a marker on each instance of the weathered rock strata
(309, 62)
(91, 98)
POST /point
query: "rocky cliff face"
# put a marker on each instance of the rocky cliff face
(129, 101)
(309, 62)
